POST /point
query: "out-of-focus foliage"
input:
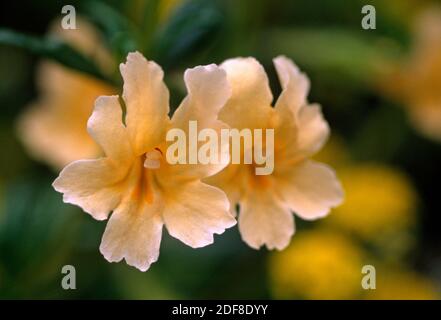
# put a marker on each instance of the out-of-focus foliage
(389, 170)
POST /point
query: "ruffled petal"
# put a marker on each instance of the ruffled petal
(106, 127)
(265, 220)
(295, 85)
(208, 91)
(302, 130)
(146, 98)
(251, 98)
(133, 233)
(310, 189)
(297, 142)
(313, 130)
(92, 185)
(195, 212)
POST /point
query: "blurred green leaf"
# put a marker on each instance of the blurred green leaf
(149, 22)
(120, 34)
(382, 136)
(189, 28)
(51, 48)
(37, 232)
(354, 55)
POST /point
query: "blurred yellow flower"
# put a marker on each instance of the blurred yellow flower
(319, 264)
(134, 180)
(397, 284)
(379, 201)
(53, 129)
(417, 83)
(297, 184)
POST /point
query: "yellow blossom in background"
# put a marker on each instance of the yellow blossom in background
(417, 82)
(319, 264)
(297, 184)
(397, 284)
(380, 201)
(134, 181)
(53, 128)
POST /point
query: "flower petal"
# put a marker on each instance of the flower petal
(106, 127)
(196, 212)
(265, 220)
(296, 142)
(146, 98)
(230, 181)
(310, 189)
(295, 85)
(208, 91)
(92, 185)
(313, 130)
(133, 233)
(251, 97)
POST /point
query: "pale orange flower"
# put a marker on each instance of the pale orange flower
(135, 181)
(417, 82)
(297, 184)
(53, 129)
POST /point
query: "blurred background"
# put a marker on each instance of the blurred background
(380, 91)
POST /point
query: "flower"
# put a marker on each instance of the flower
(134, 180)
(53, 129)
(417, 82)
(297, 184)
(320, 264)
(380, 203)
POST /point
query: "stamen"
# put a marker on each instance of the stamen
(153, 159)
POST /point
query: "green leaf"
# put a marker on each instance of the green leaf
(355, 55)
(51, 48)
(383, 136)
(120, 34)
(37, 233)
(188, 30)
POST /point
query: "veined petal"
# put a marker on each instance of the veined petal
(106, 127)
(196, 212)
(146, 98)
(208, 91)
(133, 233)
(310, 189)
(251, 97)
(91, 185)
(265, 220)
(295, 85)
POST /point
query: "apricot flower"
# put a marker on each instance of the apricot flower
(417, 82)
(53, 129)
(134, 180)
(297, 184)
